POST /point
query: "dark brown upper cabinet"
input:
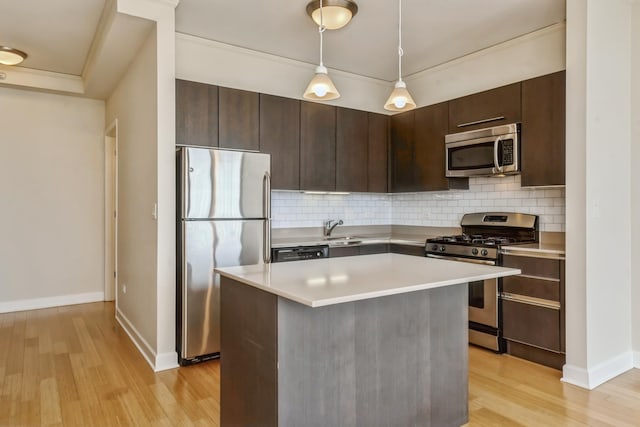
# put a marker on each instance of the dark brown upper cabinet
(378, 153)
(196, 114)
(239, 115)
(401, 162)
(417, 151)
(543, 130)
(485, 109)
(317, 146)
(280, 137)
(352, 140)
(430, 129)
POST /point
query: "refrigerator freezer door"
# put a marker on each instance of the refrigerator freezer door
(220, 184)
(206, 245)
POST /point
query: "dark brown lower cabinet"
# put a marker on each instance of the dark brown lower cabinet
(396, 248)
(533, 310)
(370, 249)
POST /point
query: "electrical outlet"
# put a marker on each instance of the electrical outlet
(124, 288)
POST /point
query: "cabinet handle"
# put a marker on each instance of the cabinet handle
(477, 122)
(538, 302)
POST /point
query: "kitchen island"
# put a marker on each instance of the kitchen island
(374, 340)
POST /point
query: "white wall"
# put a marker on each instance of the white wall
(635, 180)
(144, 105)
(535, 54)
(133, 104)
(598, 198)
(433, 209)
(52, 187)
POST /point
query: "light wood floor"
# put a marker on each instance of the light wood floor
(75, 366)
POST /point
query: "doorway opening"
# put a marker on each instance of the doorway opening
(111, 212)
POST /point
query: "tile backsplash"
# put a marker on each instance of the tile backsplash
(436, 209)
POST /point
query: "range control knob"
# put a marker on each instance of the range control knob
(474, 251)
(484, 252)
(442, 248)
(434, 247)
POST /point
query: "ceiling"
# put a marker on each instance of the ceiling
(434, 31)
(58, 35)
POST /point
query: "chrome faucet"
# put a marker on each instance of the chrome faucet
(328, 228)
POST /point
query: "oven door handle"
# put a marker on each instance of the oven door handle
(453, 258)
(496, 144)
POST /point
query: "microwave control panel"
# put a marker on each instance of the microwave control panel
(507, 152)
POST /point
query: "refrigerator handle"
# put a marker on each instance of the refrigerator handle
(266, 197)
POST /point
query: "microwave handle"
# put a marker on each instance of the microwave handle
(495, 154)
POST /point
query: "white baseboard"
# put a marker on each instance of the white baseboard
(166, 361)
(636, 359)
(600, 373)
(157, 362)
(48, 302)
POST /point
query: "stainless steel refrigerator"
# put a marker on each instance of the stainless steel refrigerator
(223, 220)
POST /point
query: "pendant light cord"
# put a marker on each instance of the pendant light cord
(400, 51)
(321, 30)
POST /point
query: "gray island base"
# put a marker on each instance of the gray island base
(397, 360)
(372, 340)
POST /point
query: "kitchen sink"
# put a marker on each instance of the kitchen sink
(341, 238)
(343, 241)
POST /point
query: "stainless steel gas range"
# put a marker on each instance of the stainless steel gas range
(483, 235)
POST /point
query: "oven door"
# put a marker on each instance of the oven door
(483, 308)
(483, 302)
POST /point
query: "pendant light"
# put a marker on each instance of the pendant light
(321, 88)
(400, 99)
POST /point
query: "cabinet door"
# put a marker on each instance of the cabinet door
(396, 248)
(352, 139)
(280, 137)
(317, 146)
(402, 145)
(431, 126)
(378, 148)
(489, 108)
(239, 117)
(543, 130)
(196, 114)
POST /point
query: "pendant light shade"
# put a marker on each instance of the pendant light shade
(400, 99)
(321, 88)
(11, 56)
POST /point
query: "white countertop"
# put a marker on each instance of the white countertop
(329, 281)
(542, 250)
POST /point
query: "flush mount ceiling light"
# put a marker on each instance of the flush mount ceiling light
(335, 14)
(400, 99)
(11, 56)
(321, 88)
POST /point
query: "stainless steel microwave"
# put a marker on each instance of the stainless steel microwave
(484, 152)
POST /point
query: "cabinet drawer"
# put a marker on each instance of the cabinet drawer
(344, 251)
(530, 266)
(376, 248)
(531, 324)
(407, 249)
(532, 287)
